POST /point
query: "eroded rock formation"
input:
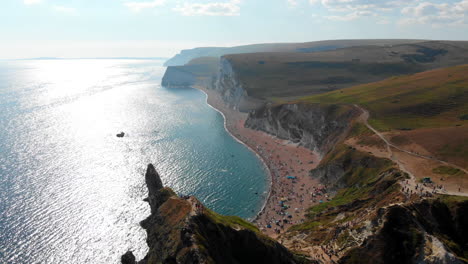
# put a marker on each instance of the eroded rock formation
(182, 230)
(314, 126)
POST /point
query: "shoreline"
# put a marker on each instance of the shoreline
(270, 176)
(287, 200)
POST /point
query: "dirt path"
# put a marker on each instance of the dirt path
(411, 184)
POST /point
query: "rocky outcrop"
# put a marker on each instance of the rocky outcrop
(425, 232)
(337, 169)
(182, 230)
(314, 126)
(154, 184)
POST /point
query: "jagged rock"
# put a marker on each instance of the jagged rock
(154, 184)
(153, 180)
(371, 220)
(414, 234)
(182, 230)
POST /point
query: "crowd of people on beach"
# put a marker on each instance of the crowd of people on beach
(282, 159)
(290, 195)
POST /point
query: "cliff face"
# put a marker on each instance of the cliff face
(212, 74)
(182, 230)
(314, 126)
(178, 77)
(228, 86)
(291, 74)
(232, 90)
(425, 232)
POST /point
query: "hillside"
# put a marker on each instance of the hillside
(187, 55)
(436, 98)
(373, 218)
(380, 210)
(389, 127)
(287, 75)
(424, 112)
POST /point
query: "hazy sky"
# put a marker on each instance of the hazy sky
(89, 28)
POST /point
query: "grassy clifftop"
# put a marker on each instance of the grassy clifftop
(186, 55)
(429, 99)
(287, 75)
(426, 112)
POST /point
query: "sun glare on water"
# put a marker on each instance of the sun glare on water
(72, 192)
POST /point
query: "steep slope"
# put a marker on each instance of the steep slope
(277, 75)
(199, 71)
(182, 230)
(429, 99)
(431, 231)
(314, 126)
(377, 215)
(415, 110)
(246, 81)
(417, 128)
(371, 220)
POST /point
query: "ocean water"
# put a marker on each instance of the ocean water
(71, 191)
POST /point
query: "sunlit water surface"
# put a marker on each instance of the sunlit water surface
(71, 191)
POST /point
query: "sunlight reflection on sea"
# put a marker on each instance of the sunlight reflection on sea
(71, 191)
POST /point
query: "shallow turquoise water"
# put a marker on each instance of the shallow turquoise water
(71, 191)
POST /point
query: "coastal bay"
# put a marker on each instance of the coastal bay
(287, 196)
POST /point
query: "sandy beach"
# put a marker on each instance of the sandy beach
(289, 197)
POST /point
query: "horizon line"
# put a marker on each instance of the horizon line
(89, 58)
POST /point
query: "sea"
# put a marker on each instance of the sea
(72, 192)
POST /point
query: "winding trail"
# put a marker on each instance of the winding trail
(364, 119)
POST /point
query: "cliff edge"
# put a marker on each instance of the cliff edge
(182, 230)
(314, 126)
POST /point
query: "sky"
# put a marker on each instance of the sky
(160, 28)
